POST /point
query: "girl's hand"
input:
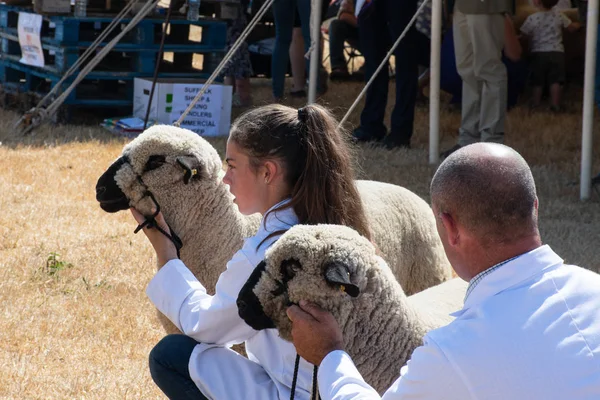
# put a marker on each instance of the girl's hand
(164, 248)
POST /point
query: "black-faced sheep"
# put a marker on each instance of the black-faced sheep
(339, 270)
(183, 172)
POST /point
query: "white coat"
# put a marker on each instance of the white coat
(213, 321)
(528, 330)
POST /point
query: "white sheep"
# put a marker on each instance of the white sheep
(339, 270)
(183, 172)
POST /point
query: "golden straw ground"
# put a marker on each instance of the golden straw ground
(78, 324)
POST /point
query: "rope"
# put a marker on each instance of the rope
(295, 378)
(315, 389)
(159, 57)
(383, 63)
(53, 107)
(90, 50)
(226, 59)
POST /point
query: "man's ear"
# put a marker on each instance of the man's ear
(451, 228)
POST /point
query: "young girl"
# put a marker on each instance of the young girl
(544, 29)
(293, 166)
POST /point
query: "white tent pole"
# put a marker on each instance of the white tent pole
(434, 83)
(588, 100)
(315, 25)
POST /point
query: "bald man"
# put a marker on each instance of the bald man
(530, 325)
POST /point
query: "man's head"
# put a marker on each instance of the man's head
(484, 200)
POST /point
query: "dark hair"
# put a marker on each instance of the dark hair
(548, 4)
(316, 159)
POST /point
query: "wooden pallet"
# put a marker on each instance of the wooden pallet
(70, 31)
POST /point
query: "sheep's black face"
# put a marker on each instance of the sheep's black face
(108, 194)
(249, 307)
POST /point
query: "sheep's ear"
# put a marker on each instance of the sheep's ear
(190, 165)
(336, 274)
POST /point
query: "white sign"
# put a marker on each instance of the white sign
(210, 116)
(29, 28)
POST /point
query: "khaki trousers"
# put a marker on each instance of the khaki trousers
(478, 43)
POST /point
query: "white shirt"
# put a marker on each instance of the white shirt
(177, 293)
(528, 330)
(545, 30)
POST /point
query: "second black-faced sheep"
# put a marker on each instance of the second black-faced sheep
(339, 270)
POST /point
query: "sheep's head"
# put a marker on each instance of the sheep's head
(329, 265)
(160, 159)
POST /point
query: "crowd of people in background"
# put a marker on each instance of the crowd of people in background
(483, 66)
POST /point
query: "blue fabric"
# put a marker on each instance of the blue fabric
(451, 82)
(284, 12)
(168, 362)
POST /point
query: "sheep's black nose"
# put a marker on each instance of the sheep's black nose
(100, 190)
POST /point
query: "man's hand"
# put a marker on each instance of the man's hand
(164, 248)
(314, 331)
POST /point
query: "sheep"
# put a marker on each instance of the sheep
(183, 173)
(340, 271)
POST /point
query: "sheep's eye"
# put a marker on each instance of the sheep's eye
(154, 161)
(289, 269)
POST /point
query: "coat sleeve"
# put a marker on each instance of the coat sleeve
(177, 294)
(427, 376)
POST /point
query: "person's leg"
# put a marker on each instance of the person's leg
(283, 12)
(399, 14)
(304, 12)
(297, 60)
(556, 79)
(471, 86)
(338, 33)
(243, 90)
(168, 362)
(223, 374)
(374, 40)
(487, 36)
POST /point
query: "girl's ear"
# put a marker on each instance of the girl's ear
(270, 171)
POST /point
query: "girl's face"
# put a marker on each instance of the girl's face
(246, 184)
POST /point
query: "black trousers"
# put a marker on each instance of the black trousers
(380, 25)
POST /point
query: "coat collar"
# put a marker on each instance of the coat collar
(510, 274)
(271, 222)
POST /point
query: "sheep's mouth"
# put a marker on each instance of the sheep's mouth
(115, 205)
(249, 307)
(108, 194)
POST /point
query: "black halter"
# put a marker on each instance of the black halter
(150, 221)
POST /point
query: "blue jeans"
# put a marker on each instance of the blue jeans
(169, 361)
(284, 12)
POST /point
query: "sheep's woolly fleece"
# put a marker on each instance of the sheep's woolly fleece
(212, 229)
(380, 326)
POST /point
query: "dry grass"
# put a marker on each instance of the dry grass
(85, 331)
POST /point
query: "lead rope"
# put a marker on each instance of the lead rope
(295, 378)
(150, 222)
(315, 389)
(315, 392)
